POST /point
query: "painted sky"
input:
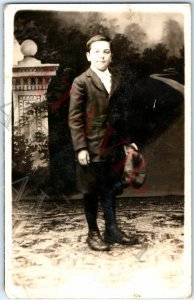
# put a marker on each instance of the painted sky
(151, 17)
(151, 22)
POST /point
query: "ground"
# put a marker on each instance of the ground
(52, 260)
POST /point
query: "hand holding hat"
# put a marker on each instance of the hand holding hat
(135, 167)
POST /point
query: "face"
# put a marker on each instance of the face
(99, 55)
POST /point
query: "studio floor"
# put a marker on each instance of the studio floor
(50, 257)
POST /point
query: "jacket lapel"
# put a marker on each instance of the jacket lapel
(98, 83)
(96, 80)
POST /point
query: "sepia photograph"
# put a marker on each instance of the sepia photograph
(97, 122)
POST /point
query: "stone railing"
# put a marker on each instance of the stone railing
(29, 84)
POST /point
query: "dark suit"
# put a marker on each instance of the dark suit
(95, 117)
(95, 120)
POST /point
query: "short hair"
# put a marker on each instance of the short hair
(96, 38)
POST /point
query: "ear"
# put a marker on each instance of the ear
(88, 56)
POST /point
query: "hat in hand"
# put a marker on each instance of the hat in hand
(134, 168)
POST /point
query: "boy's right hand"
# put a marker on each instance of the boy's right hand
(84, 157)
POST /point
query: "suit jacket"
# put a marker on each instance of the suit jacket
(95, 117)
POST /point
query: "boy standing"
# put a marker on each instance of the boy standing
(96, 130)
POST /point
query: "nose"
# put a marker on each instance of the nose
(102, 55)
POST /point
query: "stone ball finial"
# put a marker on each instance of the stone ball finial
(29, 48)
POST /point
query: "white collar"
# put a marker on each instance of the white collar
(101, 73)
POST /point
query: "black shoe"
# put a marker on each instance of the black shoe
(96, 242)
(116, 236)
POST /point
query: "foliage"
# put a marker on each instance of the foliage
(29, 155)
(37, 107)
(136, 35)
(22, 155)
(40, 146)
(173, 37)
(155, 58)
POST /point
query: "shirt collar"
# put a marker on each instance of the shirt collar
(101, 73)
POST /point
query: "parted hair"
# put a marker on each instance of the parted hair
(96, 38)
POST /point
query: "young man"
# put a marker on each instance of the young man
(96, 125)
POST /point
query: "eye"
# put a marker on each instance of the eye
(107, 51)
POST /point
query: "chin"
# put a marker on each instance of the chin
(101, 68)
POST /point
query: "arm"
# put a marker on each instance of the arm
(76, 115)
(76, 121)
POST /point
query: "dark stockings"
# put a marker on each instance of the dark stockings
(91, 210)
(109, 209)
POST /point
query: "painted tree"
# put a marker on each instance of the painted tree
(137, 36)
(155, 58)
(173, 37)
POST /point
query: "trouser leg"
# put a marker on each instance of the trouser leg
(109, 209)
(91, 210)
